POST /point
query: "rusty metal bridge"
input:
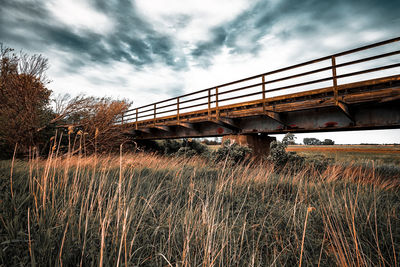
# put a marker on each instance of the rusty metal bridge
(356, 89)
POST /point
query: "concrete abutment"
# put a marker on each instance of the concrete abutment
(259, 144)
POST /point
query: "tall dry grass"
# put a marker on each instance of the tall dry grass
(149, 210)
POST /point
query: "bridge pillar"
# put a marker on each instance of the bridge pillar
(259, 144)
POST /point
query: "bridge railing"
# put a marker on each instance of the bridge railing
(323, 72)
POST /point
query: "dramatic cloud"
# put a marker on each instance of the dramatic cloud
(147, 50)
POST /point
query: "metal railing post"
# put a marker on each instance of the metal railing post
(263, 92)
(177, 107)
(137, 118)
(209, 104)
(335, 89)
(216, 103)
(155, 112)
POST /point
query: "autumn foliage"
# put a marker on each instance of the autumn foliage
(30, 117)
(24, 99)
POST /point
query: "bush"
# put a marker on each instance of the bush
(190, 148)
(277, 153)
(170, 146)
(186, 152)
(280, 157)
(231, 151)
(185, 147)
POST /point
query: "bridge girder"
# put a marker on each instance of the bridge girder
(363, 116)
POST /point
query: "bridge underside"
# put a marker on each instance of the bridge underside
(372, 104)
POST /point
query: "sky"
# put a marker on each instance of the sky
(149, 50)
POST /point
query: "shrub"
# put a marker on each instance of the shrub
(170, 146)
(232, 151)
(280, 157)
(185, 147)
(289, 139)
(186, 151)
(149, 146)
(277, 153)
(190, 148)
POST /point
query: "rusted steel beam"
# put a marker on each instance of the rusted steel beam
(390, 98)
(186, 125)
(226, 122)
(161, 127)
(345, 109)
(144, 130)
(330, 118)
(275, 116)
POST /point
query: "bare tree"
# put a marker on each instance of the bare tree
(96, 119)
(72, 109)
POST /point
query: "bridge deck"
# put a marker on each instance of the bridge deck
(375, 90)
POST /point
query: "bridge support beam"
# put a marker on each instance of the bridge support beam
(259, 144)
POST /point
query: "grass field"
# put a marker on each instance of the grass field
(150, 210)
(380, 154)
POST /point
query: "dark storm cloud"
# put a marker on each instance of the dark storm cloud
(206, 50)
(305, 20)
(9, 8)
(133, 40)
(30, 25)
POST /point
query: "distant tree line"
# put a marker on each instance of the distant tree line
(315, 142)
(215, 141)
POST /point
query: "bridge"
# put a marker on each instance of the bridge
(358, 89)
